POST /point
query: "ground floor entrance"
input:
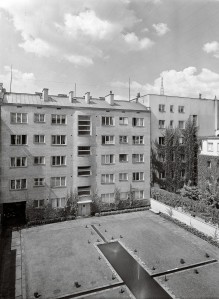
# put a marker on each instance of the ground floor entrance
(84, 207)
(14, 213)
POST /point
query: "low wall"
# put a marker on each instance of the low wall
(207, 229)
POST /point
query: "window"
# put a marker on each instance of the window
(218, 147)
(18, 162)
(123, 139)
(39, 138)
(123, 158)
(137, 158)
(58, 202)
(210, 147)
(161, 140)
(161, 157)
(123, 120)
(58, 119)
(108, 159)
(171, 108)
(138, 176)
(18, 139)
(39, 160)
(138, 139)
(124, 195)
(107, 178)
(182, 156)
(84, 125)
(59, 140)
(38, 203)
(39, 118)
(19, 118)
(107, 197)
(195, 119)
(209, 164)
(171, 124)
(84, 170)
(18, 184)
(162, 175)
(182, 174)
(58, 181)
(83, 150)
(181, 109)
(39, 182)
(181, 124)
(83, 191)
(139, 194)
(108, 139)
(138, 122)
(181, 140)
(123, 176)
(161, 124)
(161, 108)
(58, 160)
(107, 121)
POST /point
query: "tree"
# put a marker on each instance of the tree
(96, 205)
(117, 196)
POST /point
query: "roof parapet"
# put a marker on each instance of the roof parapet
(45, 94)
(110, 98)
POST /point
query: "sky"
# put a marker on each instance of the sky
(101, 45)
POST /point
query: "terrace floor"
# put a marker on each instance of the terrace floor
(57, 255)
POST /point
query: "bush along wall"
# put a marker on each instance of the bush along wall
(194, 202)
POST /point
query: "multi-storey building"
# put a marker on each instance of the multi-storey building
(174, 111)
(54, 145)
(208, 163)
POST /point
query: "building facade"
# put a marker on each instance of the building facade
(208, 164)
(174, 111)
(54, 145)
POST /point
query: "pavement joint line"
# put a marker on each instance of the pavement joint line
(184, 268)
(88, 292)
(99, 233)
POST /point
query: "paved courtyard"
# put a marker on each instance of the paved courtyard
(56, 256)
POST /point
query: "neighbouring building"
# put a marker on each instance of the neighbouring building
(174, 111)
(54, 145)
(208, 163)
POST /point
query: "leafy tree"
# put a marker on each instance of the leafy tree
(96, 205)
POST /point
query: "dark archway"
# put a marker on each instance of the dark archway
(14, 214)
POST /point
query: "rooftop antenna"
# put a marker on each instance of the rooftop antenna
(129, 89)
(161, 87)
(11, 79)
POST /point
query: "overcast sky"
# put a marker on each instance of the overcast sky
(99, 44)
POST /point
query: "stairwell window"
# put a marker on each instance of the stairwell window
(84, 191)
(18, 162)
(137, 176)
(84, 170)
(58, 119)
(84, 151)
(84, 125)
(19, 118)
(107, 121)
(107, 178)
(108, 139)
(18, 184)
(18, 139)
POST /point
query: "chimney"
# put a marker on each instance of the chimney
(87, 97)
(110, 98)
(2, 91)
(71, 96)
(45, 94)
(200, 96)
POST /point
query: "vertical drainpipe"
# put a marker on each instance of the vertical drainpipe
(215, 115)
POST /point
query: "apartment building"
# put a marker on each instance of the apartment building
(54, 145)
(174, 111)
(208, 163)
